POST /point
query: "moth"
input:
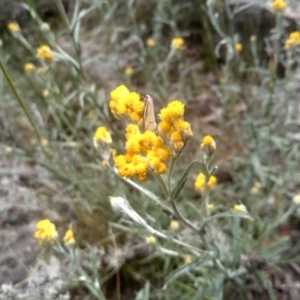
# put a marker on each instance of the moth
(149, 117)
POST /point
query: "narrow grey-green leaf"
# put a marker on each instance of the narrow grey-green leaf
(185, 268)
(182, 181)
(144, 293)
(225, 215)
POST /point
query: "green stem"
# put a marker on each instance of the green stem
(180, 216)
(170, 171)
(162, 184)
(22, 105)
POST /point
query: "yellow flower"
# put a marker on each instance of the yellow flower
(46, 232)
(177, 43)
(174, 225)
(211, 207)
(296, 199)
(208, 144)
(102, 136)
(144, 150)
(293, 40)
(151, 42)
(200, 182)
(256, 187)
(278, 5)
(29, 68)
(46, 93)
(187, 260)
(8, 149)
(45, 26)
(151, 240)
(44, 53)
(13, 28)
(212, 182)
(241, 208)
(44, 142)
(69, 238)
(173, 111)
(126, 105)
(128, 71)
(253, 38)
(172, 125)
(238, 47)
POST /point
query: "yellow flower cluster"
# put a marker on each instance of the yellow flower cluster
(128, 71)
(177, 43)
(174, 225)
(151, 240)
(29, 68)
(151, 42)
(46, 232)
(256, 187)
(200, 182)
(240, 208)
(102, 135)
(296, 199)
(238, 47)
(278, 5)
(126, 105)
(208, 144)
(44, 53)
(69, 238)
(13, 28)
(144, 150)
(293, 40)
(172, 125)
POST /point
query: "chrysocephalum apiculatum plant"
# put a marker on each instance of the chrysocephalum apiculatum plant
(210, 246)
(155, 152)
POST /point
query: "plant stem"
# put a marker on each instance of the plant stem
(22, 105)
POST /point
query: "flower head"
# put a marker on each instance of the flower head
(13, 28)
(8, 149)
(44, 142)
(126, 105)
(256, 187)
(296, 199)
(187, 260)
(200, 182)
(211, 207)
(69, 238)
(151, 240)
(46, 232)
(151, 42)
(143, 151)
(128, 71)
(174, 225)
(44, 53)
(293, 40)
(253, 38)
(240, 208)
(238, 48)
(29, 68)
(102, 135)
(46, 93)
(208, 145)
(45, 26)
(278, 5)
(177, 43)
(102, 141)
(173, 127)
